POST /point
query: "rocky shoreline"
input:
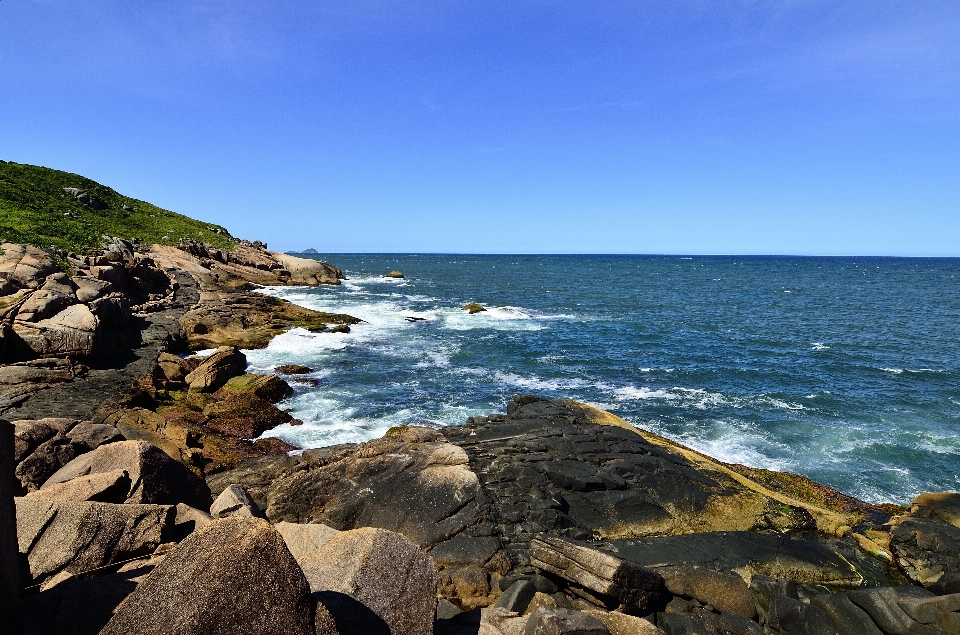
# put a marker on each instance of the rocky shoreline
(134, 501)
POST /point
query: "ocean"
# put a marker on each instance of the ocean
(845, 370)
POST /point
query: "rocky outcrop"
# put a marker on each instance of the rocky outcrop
(235, 501)
(233, 576)
(9, 549)
(154, 477)
(215, 370)
(381, 571)
(77, 537)
(633, 586)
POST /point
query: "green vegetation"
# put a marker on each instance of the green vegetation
(473, 307)
(35, 209)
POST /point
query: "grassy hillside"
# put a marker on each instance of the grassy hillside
(35, 209)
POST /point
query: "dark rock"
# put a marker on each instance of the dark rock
(244, 415)
(926, 549)
(447, 609)
(792, 617)
(801, 558)
(681, 624)
(155, 477)
(80, 536)
(942, 506)
(765, 590)
(634, 586)
(517, 597)
(76, 606)
(380, 570)
(882, 605)
(294, 369)
(557, 621)
(9, 549)
(214, 372)
(723, 590)
(233, 576)
(93, 435)
(949, 583)
(462, 549)
(846, 617)
(49, 457)
(941, 612)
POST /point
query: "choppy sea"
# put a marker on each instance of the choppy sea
(845, 370)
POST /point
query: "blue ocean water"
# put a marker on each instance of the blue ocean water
(846, 370)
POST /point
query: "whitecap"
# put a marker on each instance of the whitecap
(819, 346)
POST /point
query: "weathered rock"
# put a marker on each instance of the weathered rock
(765, 589)
(233, 576)
(79, 536)
(307, 271)
(72, 331)
(557, 621)
(75, 606)
(235, 501)
(473, 307)
(304, 539)
(49, 457)
(112, 310)
(463, 549)
(926, 549)
(370, 484)
(517, 597)
(214, 372)
(723, 590)
(846, 617)
(682, 624)
(9, 548)
(634, 586)
(155, 477)
(382, 571)
(47, 301)
(802, 559)
(942, 506)
(89, 289)
(103, 487)
(267, 387)
(882, 604)
(294, 369)
(93, 435)
(25, 265)
(622, 624)
(244, 415)
(394, 274)
(189, 519)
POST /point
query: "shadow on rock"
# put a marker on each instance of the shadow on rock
(351, 617)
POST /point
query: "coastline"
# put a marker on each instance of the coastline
(488, 490)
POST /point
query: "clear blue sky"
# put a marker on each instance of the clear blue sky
(759, 127)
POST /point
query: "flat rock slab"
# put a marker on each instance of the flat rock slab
(154, 476)
(305, 539)
(233, 576)
(382, 571)
(80, 536)
(798, 558)
(599, 571)
(103, 487)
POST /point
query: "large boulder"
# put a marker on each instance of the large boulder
(154, 476)
(56, 294)
(244, 415)
(104, 487)
(235, 501)
(25, 265)
(214, 372)
(379, 569)
(9, 546)
(304, 539)
(307, 271)
(49, 457)
(926, 548)
(557, 621)
(267, 387)
(79, 536)
(233, 576)
(72, 331)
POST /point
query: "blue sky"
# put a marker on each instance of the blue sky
(690, 127)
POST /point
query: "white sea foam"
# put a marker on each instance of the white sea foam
(819, 346)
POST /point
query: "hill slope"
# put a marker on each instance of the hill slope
(39, 208)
